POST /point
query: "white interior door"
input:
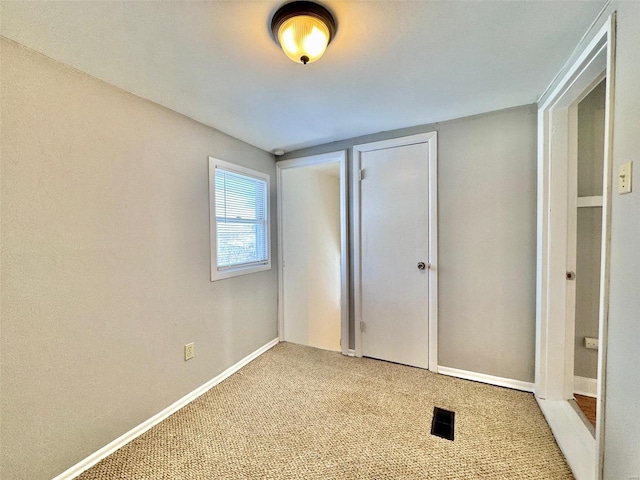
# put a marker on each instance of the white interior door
(394, 236)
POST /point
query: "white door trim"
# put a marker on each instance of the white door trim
(574, 438)
(431, 138)
(554, 328)
(488, 379)
(344, 239)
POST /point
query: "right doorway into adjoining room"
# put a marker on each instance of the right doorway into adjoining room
(575, 186)
(587, 224)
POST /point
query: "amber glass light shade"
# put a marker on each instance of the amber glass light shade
(303, 30)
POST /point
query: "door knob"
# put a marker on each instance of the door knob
(421, 266)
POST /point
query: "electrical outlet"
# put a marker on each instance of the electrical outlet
(591, 343)
(189, 351)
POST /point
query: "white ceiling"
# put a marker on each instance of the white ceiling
(392, 64)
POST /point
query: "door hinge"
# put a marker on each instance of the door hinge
(361, 326)
(361, 174)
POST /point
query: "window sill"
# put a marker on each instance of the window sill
(236, 272)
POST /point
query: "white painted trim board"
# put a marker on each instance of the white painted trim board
(489, 379)
(589, 202)
(585, 386)
(610, 29)
(573, 437)
(135, 432)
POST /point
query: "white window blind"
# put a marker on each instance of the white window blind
(242, 229)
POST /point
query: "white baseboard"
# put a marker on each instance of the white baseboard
(483, 378)
(351, 353)
(135, 432)
(573, 437)
(585, 386)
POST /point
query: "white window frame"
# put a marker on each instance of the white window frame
(234, 271)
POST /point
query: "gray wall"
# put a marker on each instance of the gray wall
(622, 451)
(105, 264)
(589, 229)
(588, 250)
(487, 235)
(591, 141)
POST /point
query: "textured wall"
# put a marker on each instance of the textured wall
(105, 264)
(487, 225)
(622, 430)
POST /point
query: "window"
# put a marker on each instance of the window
(239, 220)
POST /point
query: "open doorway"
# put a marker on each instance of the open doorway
(312, 245)
(574, 210)
(586, 225)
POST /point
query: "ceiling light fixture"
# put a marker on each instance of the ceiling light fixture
(303, 30)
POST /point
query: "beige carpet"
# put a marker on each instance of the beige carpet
(302, 413)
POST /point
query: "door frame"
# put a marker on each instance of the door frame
(431, 139)
(557, 156)
(332, 157)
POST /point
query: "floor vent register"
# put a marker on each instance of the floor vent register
(442, 424)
